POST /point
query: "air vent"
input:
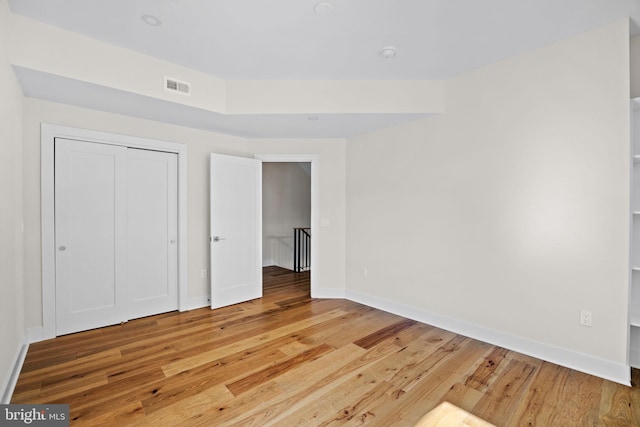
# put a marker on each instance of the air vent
(173, 85)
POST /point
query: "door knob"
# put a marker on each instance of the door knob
(62, 248)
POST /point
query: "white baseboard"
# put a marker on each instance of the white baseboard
(198, 302)
(6, 392)
(332, 293)
(618, 373)
(268, 262)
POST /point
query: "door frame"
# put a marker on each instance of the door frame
(314, 159)
(48, 133)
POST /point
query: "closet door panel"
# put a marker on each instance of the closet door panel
(90, 215)
(152, 245)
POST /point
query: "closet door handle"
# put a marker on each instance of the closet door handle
(62, 248)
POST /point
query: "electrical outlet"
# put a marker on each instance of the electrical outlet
(365, 272)
(203, 273)
(586, 317)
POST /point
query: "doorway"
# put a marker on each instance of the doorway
(310, 161)
(286, 215)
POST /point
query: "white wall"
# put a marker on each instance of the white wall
(11, 250)
(508, 214)
(286, 203)
(329, 272)
(334, 96)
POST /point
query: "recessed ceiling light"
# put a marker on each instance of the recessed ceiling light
(151, 20)
(313, 118)
(323, 9)
(388, 52)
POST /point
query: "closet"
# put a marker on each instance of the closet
(116, 229)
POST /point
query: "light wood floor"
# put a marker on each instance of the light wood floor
(290, 360)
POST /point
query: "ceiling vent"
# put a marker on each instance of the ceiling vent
(173, 85)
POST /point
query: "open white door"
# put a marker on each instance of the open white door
(236, 229)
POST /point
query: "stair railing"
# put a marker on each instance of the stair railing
(301, 249)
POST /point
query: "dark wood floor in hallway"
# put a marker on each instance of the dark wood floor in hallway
(287, 360)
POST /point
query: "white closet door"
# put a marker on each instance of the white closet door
(236, 229)
(91, 253)
(152, 232)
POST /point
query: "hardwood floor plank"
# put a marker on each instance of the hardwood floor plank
(412, 374)
(35, 361)
(384, 333)
(189, 411)
(288, 359)
(463, 396)
(408, 335)
(257, 378)
(228, 332)
(191, 362)
(407, 405)
(75, 366)
(99, 401)
(540, 403)
(314, 392)
(336, 404)
(126, 414)
(480, 379)
(411, 360)
(360, 408)
(620, 405)
(193, 381)
(496, 404)
(251, 409)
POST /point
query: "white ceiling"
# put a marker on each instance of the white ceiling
(285, 39)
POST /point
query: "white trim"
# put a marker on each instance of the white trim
(619, 373)
(198, 302)
(48, 133)
(268, 262)
(330, 293)
(314, 159)
(6, 392)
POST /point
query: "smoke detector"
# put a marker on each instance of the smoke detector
(388, 52)
(323, 9)
(154, 21)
